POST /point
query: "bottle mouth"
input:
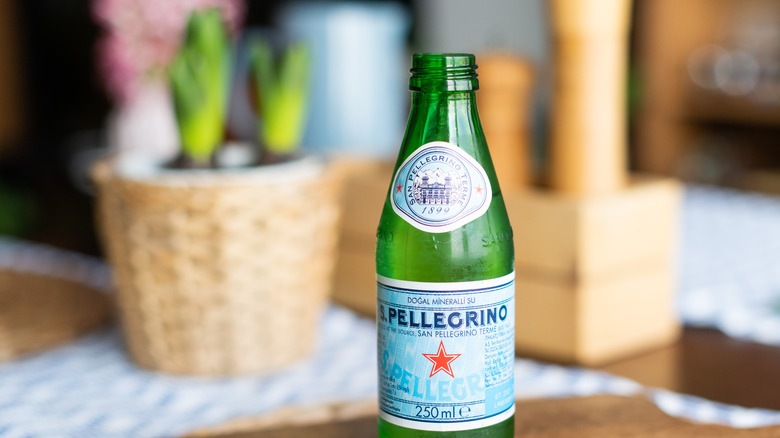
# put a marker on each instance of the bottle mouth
(443, 71)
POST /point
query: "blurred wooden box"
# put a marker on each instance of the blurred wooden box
(365, 189)
(588, 238)
(594, 275)
(592, 324)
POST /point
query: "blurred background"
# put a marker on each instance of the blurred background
(704, 92)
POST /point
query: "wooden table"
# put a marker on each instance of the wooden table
(709, 364)
(600, 416)
(704, 362)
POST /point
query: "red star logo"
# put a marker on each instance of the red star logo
(399, 187)
(441, 360)
(479, 189)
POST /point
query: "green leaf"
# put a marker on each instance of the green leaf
(283, 94)
(199, 77)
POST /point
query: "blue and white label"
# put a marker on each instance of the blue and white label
(440, 188)
(446, 353)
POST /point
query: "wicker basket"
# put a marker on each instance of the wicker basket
(219, 273)
(38, 312)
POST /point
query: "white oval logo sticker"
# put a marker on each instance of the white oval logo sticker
(440, 188)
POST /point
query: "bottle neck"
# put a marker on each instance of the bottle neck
(428, 98)
(444, 116)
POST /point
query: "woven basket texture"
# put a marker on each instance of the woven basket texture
(38, 312)
(219, 280)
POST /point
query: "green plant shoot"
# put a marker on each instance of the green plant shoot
(199, 76)
(283, 95)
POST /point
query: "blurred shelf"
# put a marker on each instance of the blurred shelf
(674, 114)
(705, 106)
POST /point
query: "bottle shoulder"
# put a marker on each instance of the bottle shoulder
(478, 250)
(444, 218)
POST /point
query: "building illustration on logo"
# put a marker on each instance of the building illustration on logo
(436, 187)
(440, 188)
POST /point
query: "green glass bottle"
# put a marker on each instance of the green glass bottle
(445, 269)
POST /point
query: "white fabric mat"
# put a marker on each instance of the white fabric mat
(729, 266)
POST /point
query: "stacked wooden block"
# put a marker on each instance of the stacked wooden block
(594, 275)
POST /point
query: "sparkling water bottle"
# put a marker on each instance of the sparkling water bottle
(445, 269)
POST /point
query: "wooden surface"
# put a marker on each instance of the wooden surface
(39, 312)
(709, 364)
(600, 416)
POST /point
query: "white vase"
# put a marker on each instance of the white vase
(145, 124)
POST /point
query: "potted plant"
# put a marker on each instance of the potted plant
(222, 270)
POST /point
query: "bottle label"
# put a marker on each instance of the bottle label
(440, 188)
(446, 353)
